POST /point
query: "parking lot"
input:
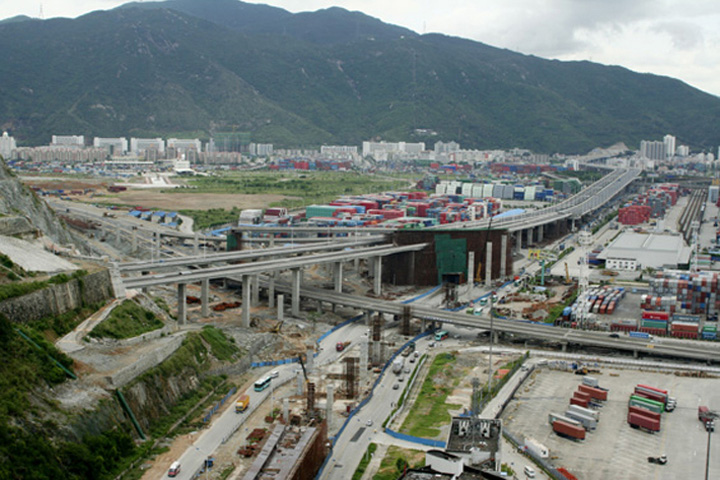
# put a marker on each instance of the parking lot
(615, 450)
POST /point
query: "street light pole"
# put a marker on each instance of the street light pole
(492, 335)
(707, 456)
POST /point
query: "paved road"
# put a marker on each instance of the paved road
(223, 425)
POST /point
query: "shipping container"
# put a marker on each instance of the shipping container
(644, 411)
(652, 405)
(585, 411)
(646, 423)
(570, 431)
(552, 417)
(589, 423)
(595, 393)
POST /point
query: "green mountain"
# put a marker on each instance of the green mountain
(192, 67)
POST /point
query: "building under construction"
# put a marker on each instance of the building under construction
(291, 453)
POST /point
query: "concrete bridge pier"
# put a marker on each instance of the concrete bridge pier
(281, 308)
(196, 244)
(377, 276)
(134, 241)
(271, 290)
(541, 231)
(255, 290)
(338, 276)
(245, 319)
(295, 300)
(564, 346)
(503, 256)
(488, 264)
(205, 297)
(181, 303)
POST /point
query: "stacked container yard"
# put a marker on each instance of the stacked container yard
(651, 204)
(654, 323)
(624, 325)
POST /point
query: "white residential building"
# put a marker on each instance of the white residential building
(183, 145)
(7, 145)
(76, 141)
(669, 142)
(339, 150)
(682, 151)
(139, 145)
(652, 150)
(385, 150)
(114, 146)
(260, 149)
(449, 147)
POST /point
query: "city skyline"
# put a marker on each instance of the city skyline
(669, 38)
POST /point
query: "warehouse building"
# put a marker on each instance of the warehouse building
(636, 251)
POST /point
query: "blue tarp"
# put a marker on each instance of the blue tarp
(510, 213)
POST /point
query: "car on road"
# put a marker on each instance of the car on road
(407, 370)
(274, 374)
(369, 423)
(174, 469)
(396, 386)
(401, 378)
(614, 335)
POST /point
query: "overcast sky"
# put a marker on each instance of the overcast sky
(678, 38)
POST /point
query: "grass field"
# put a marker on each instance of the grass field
(430, 410)
(127, 320)
(395, 457)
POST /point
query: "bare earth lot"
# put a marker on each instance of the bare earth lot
(615, 450)
(186, 201)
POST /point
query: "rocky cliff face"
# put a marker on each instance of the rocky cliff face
(57, 299)
(20, 206)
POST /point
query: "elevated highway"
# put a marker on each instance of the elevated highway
(692, 350)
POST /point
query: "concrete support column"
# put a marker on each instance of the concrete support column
(488, 265)
(470, 274)
(271, 244)
(541, 231)
(196, 244)
(281, 308)
(635, 354)
(517, 237)
(377, 279)
(286, 410)
(255, 289)
(271, 290)
(295, 300)
(357, 264)
(134, 241)
(503, 256)
(564, 346)
(205, 297)
(300, 383)
(338, 276)
(368, 317)
(181, 303)
(245, 320)
(364, 348)
(411, 273)
(145, 290)
(310, 360)
(329, 390)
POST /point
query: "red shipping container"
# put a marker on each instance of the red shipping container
(563, 471)
(582, 395)
(639, 421)
(595, 393)
(644, 412)
(567, 430)
(579, 402)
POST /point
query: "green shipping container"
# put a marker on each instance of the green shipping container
(652, 405)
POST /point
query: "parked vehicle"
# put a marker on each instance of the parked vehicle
(340, 346)
(569, 431)
(661, 460)
(397, 366)
(645, 423)
(585, 411)
(595, 393)
(590, 382)
(587, 422)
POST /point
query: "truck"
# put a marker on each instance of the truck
(644, 412)
(585, 411)
(409, 349)
(591, 382)
(642, 402)
(397, 366)
(645, 423)
(250, 217)
(552, 417)
(644, 335)
(243, 402)
(569, 431)
(536, 447)
(589, 423)
(595, 393)
(340, 346)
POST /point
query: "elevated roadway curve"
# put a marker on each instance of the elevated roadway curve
(255, 268)
(669, 348)
(246, 255)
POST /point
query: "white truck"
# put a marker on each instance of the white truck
(250, 217)
(397, 366)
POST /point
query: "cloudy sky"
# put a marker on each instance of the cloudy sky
(677, 38)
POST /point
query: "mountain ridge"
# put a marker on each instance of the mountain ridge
(155, 71)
